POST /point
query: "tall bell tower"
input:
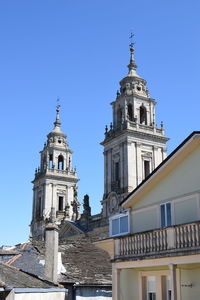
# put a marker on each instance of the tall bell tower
(133, 145)
(55, 182)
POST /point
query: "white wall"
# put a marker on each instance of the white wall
(41, 296)
(93, 293)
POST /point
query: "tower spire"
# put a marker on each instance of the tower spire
(57, 122)
(132, 66)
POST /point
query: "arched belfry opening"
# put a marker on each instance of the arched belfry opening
(60, 162)
(60, 203)
(119, 116)
(50, 161)
(143, 114)
(130, 112)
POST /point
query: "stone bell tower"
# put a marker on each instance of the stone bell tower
(133, 146)
(55, 183)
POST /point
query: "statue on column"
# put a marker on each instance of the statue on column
(86, 206)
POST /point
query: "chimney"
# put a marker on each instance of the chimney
(51, 249)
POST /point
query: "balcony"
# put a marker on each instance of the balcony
(61, 172)
(48, 171)
(135, 126)
(175, 240)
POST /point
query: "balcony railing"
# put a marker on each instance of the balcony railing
(133, 126)
(58, 171)
(179, 238)
(70, 172)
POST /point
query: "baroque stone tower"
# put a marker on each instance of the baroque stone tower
(133, 145)
(55, 183)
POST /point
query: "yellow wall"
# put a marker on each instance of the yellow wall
(188, 277)
(183, 180)
(129, 279)
(144, 220)
(180, 187)
(185, 211)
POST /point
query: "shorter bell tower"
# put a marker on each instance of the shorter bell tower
(55, 183)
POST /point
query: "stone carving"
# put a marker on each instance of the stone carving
(75, 209)
(67, 211)
(75, 205)
(75, 193)
(86, 206)
(113, 202)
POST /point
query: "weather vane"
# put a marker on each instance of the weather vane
(131, 39)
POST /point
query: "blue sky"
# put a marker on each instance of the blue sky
(78, 50)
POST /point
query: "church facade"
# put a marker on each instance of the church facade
(133, 147)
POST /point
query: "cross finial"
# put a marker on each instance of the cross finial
(57, 122)
(58, 104)
(132, 66)
(131, 39)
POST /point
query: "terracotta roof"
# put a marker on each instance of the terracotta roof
(13, 259)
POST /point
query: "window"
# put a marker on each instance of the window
(151, 288)
(168, 288)
(156, 285)
(119, 116)
(130, 112)
(60, 162)
(146, 168)
(117, 171)
(143, 115)
(165, 214)
(119, 224)
(39, 208)
(50, 161)
(60, 203)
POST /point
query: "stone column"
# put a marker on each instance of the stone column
(34, 204)
(51, 250)
(105, 172)
(172, 269)
(115, 284)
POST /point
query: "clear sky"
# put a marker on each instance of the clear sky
(78, 50)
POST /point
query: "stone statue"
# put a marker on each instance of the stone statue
(86, 206)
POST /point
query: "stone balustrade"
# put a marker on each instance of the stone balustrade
(178, 238)
(130, 125)
(55, 171)
(61, 172)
